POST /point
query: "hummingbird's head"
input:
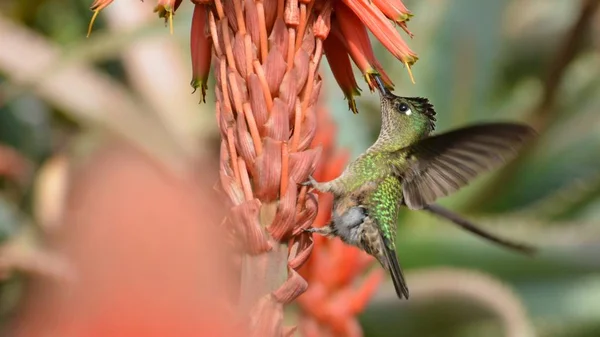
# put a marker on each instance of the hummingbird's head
(405, 120)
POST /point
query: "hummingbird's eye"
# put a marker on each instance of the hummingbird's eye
(404, 108)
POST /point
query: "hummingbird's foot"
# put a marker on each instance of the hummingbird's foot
(311, 182)
(321, 187)
(325, 230)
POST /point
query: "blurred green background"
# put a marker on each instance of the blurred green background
(535, 61)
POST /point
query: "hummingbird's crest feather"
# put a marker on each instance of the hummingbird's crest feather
(424, 107)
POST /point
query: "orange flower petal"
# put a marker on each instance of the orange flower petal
(305, 248)
(339, 62)
(268, 166)
(354, 34)
(245, 144)
(284, 222)
(383, 30)
(200, 46)
(291, 288)
(246, 219)
(357, 42)
(277, 126)
(288, 92)
(267, 317)
(303, 163)
(271, 7)
(309, 126)
(394, 10)
(274, 68)
(322, 24)
(257, 103)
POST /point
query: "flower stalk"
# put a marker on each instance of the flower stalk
(265, 55)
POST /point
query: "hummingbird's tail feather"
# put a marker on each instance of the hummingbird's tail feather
(394, 268)
(471, 227)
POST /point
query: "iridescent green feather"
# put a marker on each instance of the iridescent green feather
(383, 205)
(370, 167)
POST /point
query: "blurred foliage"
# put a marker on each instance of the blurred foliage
(479, 61)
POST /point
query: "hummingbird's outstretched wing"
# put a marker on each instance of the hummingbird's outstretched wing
(442, 164)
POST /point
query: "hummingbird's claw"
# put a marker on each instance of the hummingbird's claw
(311, 182)
(326, 230)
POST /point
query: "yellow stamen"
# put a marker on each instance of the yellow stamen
(92, 21)
(352, 104)
(369, 79)
(412, 79)
(170, 14)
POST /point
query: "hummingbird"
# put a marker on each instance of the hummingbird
(409, 167)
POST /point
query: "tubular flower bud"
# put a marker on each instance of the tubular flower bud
(355, 36)
(200, 47)
(339, 62)
(383, 30)
(394, 10)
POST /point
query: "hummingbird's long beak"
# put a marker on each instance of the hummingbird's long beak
(381, 86)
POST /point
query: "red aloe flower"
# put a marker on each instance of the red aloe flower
(266, 56)
(201, 49)
(374, 15)
(339, 62)
(358, 44)
(394, 10)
